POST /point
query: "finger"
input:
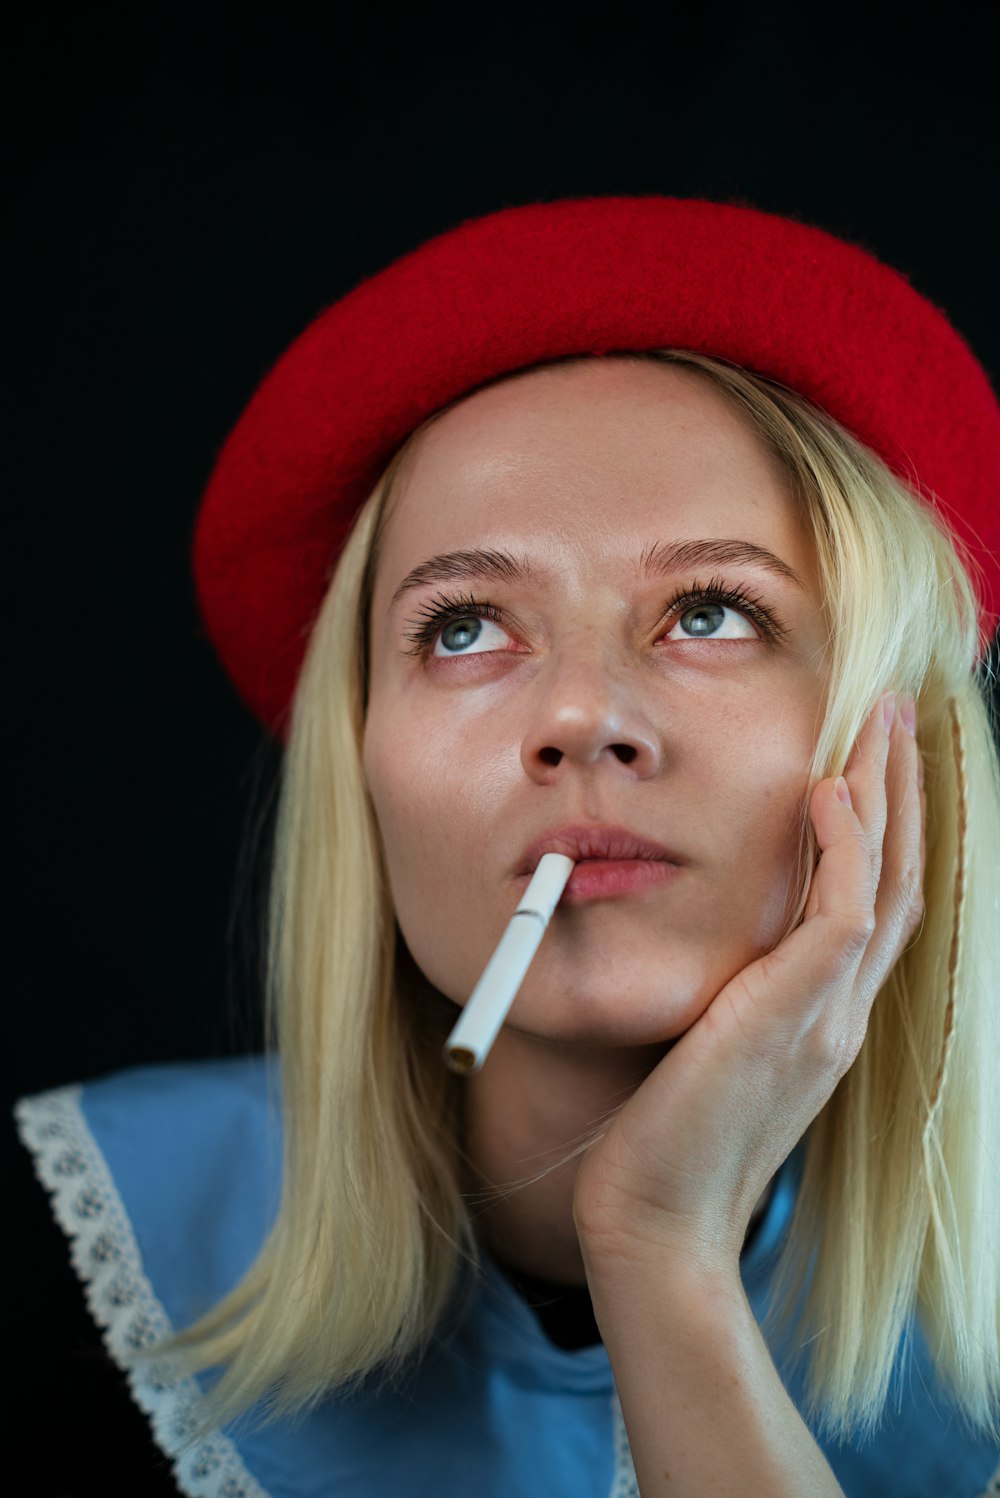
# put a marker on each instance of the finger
(899, 898)
(843, 884)
(824, 952)
(865, 774)
(801, 1000)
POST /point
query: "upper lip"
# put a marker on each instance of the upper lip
(581, 841)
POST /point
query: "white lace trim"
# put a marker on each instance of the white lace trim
(624, 1483)
(105, 1255)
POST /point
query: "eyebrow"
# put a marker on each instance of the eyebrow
(678, 556)
(659, 559)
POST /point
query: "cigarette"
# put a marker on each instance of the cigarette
(469, 1043)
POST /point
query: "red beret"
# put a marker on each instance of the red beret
(579, 276)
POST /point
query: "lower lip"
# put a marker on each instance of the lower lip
(608, 878)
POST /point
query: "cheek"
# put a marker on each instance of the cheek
(397, 772)
(435, 795)
(751, 790)
(766, 868)
(431, 799)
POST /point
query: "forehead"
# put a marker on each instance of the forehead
(598, 456)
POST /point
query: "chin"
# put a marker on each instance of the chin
(608, 1021)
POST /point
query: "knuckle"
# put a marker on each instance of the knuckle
(880, 826)
(909, 892)
(883, 750)
(834, 1046)
(911, 888)
(848, 936)
(858, 929)
(869, 839)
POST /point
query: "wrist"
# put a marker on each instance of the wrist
(679, 1296)
(686, 1260)
(704, 1406)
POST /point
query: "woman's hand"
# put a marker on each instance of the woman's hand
(684, 1162)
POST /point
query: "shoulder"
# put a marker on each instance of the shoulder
(163, 1179)
(175, 1166)
(151, 1112)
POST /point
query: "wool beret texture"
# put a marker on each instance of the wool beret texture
(545, 280)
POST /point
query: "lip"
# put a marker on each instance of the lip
(590, 843)
(608, 879)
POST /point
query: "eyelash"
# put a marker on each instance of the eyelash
(441, 610)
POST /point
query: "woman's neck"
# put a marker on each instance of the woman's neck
(532, 1102)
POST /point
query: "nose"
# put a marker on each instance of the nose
(588, 713)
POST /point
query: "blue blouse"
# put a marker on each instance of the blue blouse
(166, 1179)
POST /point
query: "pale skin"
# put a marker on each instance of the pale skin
(687, 1008)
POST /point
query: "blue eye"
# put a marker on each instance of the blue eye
(465, 625)
(470, 635)
(704, 622)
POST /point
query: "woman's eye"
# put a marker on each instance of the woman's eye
(707, 621)
(470, 635)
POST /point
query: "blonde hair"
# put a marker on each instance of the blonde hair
(898, 1205)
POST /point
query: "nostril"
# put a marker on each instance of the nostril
(624, 752)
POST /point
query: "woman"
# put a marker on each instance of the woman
(709, 633)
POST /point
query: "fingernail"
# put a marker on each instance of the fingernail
(889, 708)
(843, 790)
(908, 713)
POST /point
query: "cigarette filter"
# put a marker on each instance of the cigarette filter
(489, 1003)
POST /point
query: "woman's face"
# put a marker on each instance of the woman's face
(585, 699)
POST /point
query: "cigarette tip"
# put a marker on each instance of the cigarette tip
(460, 1059)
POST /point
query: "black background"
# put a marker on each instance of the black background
(187, 186)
